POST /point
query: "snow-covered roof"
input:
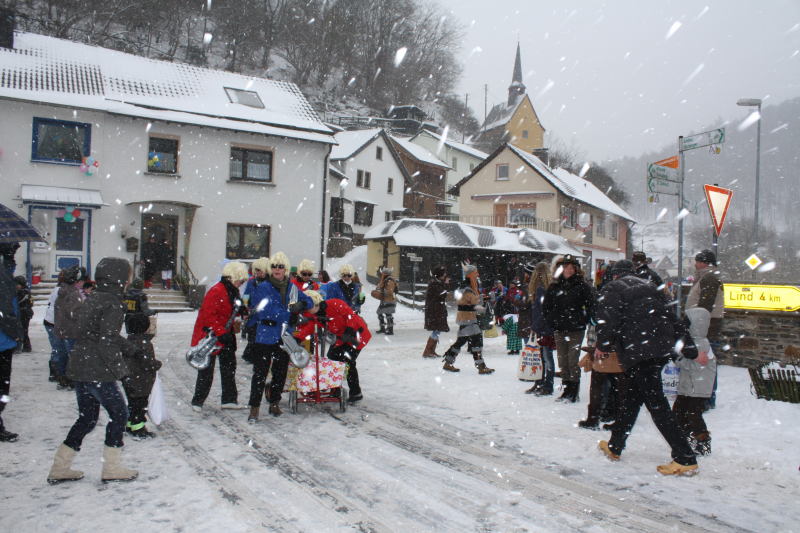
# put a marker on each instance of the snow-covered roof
(461, 147)
(499, 115)
(429, 233)
(350, 142)
(418, 152)
(56, 71)
(572, 185)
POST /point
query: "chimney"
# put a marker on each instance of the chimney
(6, 28)
(543, 154)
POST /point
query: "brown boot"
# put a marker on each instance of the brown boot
(483, 369)
(430, 348)
(450, 368)
(275, 409)
(252, 418)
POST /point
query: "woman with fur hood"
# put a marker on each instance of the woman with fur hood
(568, 308)
(219, 304)
(469, 332)
(95, 365)
(277, 304)
(388, 286)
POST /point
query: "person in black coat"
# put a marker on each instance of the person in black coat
(634, 320)
(642, 269)
(142, 367)
(568, 308)
(25, 310)
(10, 326)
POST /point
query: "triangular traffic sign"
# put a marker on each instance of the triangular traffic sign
(718, 200)
(671, 162)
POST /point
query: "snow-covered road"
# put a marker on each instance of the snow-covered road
(424, 451)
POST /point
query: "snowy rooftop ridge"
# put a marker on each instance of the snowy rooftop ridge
(42, 68)
(418, 152)
(351, 141)
(430, 233)
(469, 150)
(572, 185)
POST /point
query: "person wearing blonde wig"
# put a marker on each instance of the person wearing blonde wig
(214, 316)
(305, 273)
(345, 289)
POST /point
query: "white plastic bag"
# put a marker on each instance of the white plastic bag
(157, 406)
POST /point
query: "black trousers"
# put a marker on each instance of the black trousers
(137, 411)
(689, 415)
(643, 386)
(26, 339)
(264, 356)
(227, 373)
(614, 397)
(347, 354)
(5, 378)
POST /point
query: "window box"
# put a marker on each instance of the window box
(247, 241)
(162, 155)
(251, 165)
(60, 141)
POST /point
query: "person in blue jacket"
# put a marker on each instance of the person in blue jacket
(10, 327)
(345, 289)
(276, 306)
(260, 270)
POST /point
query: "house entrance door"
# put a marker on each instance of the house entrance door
(159, 245)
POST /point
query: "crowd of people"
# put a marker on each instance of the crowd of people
(626, 327)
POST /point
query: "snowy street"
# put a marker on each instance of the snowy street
(424, 451)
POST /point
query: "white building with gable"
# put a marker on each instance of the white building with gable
(209, 164)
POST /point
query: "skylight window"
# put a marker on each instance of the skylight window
(248, 98)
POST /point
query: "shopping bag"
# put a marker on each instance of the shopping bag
(153, 327)
(157, 406)
(670, 376)
(491, 333)
(530, 363)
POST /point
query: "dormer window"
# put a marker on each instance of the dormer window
(248, 98)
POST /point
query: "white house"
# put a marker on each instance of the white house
(368, 181)
(214, 165)
(461, 157)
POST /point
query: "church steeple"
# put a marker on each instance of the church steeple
(517, 88)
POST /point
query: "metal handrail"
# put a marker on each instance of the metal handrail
(186, 271)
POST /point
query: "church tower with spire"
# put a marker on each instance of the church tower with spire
(517, 89)
(514, 121)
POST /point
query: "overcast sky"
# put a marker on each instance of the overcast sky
(624, 77)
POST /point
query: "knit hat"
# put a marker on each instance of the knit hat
(236, 271)
(707, 257)
(529, 267)
(438, 271)
(74, 274)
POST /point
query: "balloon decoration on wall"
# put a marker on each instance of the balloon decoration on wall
(69, 214)
(89, 165)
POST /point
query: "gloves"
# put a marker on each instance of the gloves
(349, 336)
(297, 307)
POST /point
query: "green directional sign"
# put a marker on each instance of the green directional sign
(662, 186)
(706, 138)
(662, 173)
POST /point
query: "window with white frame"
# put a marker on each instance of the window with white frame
(568, 216)
(501, 171)
(613, 228)
(600, 226)
(363, 179)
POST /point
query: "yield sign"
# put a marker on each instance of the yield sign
(718, 200)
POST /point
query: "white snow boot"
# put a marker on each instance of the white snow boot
(62, 466)
(112, 469)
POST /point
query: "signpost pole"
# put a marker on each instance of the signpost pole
(681, 165)
(414, 285)
(715, 237)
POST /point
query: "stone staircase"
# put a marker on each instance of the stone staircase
(160, 300)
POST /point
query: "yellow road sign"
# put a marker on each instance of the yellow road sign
(762, 297)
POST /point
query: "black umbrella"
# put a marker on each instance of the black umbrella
(14, 228)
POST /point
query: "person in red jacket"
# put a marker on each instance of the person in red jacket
(305, 272)
(351, 332)
(214, 316)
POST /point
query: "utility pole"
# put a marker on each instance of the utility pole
(464, 115)
(485, 100)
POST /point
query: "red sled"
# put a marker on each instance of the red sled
(320, 381)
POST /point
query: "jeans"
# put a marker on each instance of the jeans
(643, 386)
(263, 357)
(227, 372)
(548, 367)
(58, 350)
(90, 396)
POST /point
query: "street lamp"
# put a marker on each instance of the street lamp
(755, 102)
(644, 230)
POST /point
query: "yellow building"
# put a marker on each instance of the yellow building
(514, 121)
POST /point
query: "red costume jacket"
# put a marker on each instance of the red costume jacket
(340, 317)
(214, 313)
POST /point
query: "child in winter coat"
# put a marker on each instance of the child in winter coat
(696, 383)
(513, 342)
(142, 367)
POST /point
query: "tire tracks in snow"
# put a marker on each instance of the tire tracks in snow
(508, 469)
(267, 454)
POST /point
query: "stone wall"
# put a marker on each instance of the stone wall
(758, 336)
